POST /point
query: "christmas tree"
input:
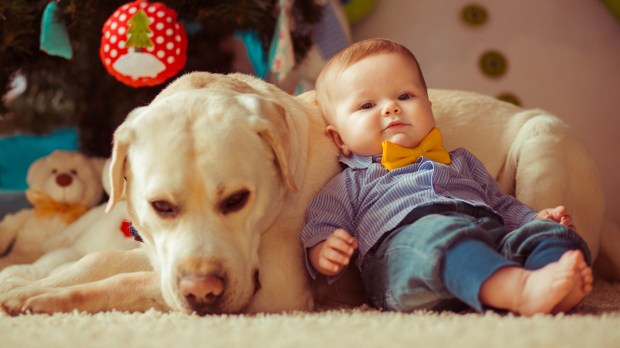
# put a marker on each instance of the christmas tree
(139, 31)
(79, 92)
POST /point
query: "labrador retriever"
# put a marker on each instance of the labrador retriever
(218, 172)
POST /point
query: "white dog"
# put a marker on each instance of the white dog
(219, 170)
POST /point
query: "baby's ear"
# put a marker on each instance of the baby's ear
(337, 139)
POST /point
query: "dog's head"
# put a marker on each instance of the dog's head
(206, 169)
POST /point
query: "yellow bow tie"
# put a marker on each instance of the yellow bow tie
(396, 156)
(45, 206)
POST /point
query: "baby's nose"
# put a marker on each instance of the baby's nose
(391, 108)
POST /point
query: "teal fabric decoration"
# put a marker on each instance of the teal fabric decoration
(255, 52)
(54, 39)
(18, 152)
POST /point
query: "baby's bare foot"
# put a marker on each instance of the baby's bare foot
(555, 287)
(581, 288)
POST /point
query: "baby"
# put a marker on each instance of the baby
(428, 225)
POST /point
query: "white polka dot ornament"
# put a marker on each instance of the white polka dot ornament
(143, 44)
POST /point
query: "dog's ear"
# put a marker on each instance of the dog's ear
(309, 97)
(123, 136)
(270, 123)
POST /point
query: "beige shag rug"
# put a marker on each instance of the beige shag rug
(594, 323)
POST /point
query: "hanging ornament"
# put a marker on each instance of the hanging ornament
(474, 15)
(54, 39)
(281, 53)
(357, 10)
(143, 44)
(493, 64)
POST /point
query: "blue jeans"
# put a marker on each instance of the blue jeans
(448, 255)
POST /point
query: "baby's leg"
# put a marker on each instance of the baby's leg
(557, 287)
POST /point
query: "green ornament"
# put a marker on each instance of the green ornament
(355, 10)
(493, 64)
(474, 15)
(54, 39)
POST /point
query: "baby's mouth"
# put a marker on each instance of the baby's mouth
(395, 124)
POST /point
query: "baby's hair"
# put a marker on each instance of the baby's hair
(351, 55)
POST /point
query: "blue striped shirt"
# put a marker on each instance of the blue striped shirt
(368, 201)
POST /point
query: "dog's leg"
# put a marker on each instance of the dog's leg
(133, 292)
(16, 275)
(90, 268)
(547, 155)
(98, 265)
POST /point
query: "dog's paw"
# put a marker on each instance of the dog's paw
(49, 302)
(13, 301)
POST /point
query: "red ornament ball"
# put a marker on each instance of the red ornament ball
(143, 44)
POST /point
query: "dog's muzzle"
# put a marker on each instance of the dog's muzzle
(204, 293)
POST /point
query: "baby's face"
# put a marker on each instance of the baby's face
(381, 97)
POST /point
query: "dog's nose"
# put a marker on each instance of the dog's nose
(64, 180)
(202, 292)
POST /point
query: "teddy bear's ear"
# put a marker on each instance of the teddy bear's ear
(36, 170)
(123, 136)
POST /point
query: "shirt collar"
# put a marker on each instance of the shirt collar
(359, 162)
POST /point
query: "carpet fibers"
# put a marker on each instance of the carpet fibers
(594, 323)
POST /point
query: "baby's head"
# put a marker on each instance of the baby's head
(374, 91)
(349, 56)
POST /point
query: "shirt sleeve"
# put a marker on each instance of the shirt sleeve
(331, 208)
(514, 212)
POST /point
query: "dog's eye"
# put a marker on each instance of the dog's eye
(165, 208)
(234, 202)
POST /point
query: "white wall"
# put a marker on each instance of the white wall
(563, 56)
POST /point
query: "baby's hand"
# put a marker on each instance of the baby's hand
(331, 256)
(558, 214)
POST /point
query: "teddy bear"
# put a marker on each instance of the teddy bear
(61, 187)
(97, 230)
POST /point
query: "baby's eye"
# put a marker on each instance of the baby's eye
(366, 106)
(404, 96)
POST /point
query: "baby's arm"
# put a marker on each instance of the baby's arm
(558, 214)
(331, 256)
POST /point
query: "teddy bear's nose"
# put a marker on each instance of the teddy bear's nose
(64, 180)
